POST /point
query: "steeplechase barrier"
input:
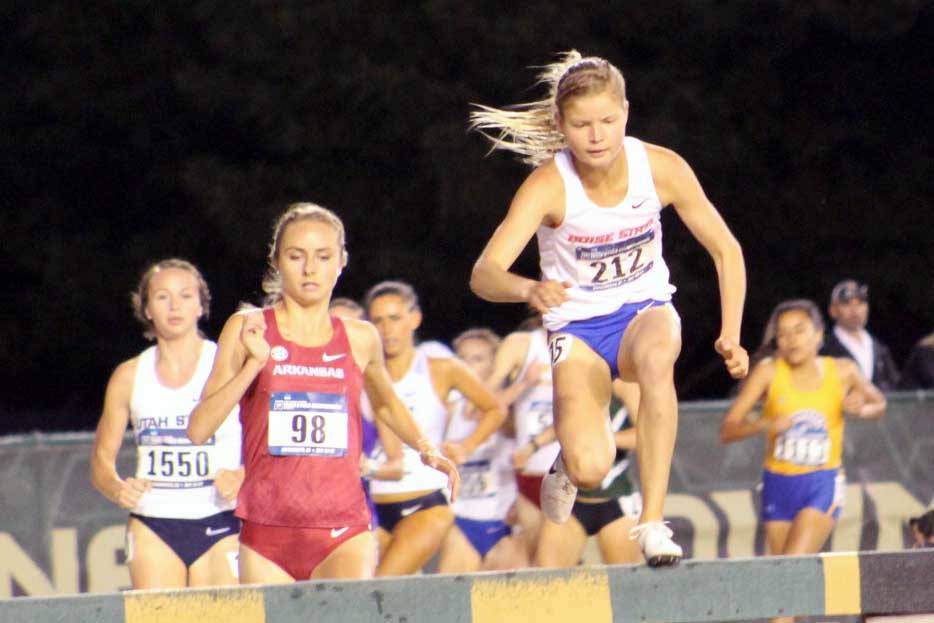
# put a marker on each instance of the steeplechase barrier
(833, 584)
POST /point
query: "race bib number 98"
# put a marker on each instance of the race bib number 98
(307, 423)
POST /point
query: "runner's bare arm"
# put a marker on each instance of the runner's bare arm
(506, 365)
(455, 374)
(393, 468)
(863, 399)
(677, 185)
(532, 205)
(521, 455)
(109, 437)
(233, 372)
(736, 425)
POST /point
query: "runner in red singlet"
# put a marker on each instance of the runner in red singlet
(298, 373)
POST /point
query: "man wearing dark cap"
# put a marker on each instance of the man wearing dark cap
(922, 530)
(849, 309)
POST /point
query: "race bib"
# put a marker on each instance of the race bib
(307, 423)
(168, 458)
(614, 264)
(477, 480)
(808, 448)
(806, 451)
(806, 443)
(540, 417)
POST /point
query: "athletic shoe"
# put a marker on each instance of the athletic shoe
(654, 538)
(558, 493)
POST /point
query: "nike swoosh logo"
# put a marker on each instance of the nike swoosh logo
(328, 358)
(405, 512)
(336, 532)
(636, 206)
(213, 532)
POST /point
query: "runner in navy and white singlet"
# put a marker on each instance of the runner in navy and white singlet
(481, 539)
(522, 369)
(182, 530)
(414, 515)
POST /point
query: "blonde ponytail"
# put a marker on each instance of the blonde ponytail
(529, 129)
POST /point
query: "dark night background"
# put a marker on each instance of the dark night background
(133, 131)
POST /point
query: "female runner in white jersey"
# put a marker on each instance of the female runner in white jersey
(181, 530)
(414, 515)
(481, 539)
(523, 367)
(594, 201)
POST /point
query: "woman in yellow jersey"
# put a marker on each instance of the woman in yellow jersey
(804, 400)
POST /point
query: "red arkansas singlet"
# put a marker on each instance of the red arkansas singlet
(302, 435)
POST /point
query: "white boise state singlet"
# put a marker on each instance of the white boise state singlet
(488, 481)
(417, 392)
(182, 474)
(533, 411)
(611, 255)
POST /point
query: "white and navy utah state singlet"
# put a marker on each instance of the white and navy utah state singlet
(417, 392)
(611, 255)
(182, 474)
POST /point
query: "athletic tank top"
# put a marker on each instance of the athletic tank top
(611, 255)
(533, 411)
(815, 440)
(302, 435)
(488, 481)
(616, 483)
(417, 392)
(182, 474)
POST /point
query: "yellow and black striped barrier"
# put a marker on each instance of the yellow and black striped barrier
(719, 590)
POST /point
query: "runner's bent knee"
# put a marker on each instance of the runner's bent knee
(588, 463)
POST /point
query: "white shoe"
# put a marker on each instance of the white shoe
(654, 538)
(558, 493)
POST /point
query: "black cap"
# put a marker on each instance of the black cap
(848, 290)
(924, 523)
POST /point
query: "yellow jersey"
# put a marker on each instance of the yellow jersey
(815, 440)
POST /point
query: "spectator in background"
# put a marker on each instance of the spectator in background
(918, 372)
(849, 309)
(922, 529)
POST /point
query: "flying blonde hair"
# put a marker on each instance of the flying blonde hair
(529, 129)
